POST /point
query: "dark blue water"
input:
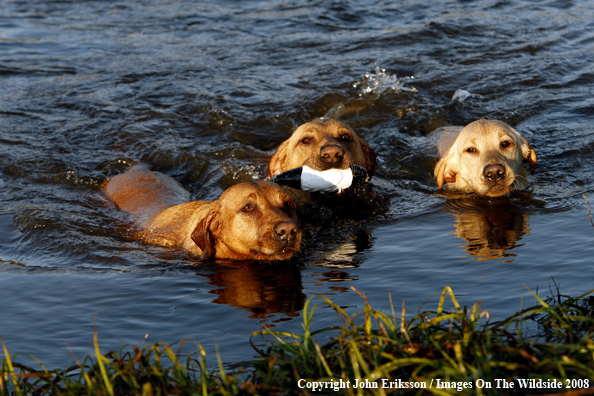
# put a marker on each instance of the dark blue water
(204, 93)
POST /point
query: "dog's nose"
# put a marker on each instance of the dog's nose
(285, 230)
(331, 153)
(494, 172)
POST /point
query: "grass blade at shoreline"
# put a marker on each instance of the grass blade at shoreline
(437, 352)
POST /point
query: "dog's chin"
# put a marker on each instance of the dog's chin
(277, 254)
(497, 191)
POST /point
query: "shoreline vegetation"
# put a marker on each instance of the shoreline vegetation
(543, 349)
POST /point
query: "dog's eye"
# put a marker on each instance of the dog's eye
(505, 144)
(346, 137)
(306, 140)
(471, 150)
(247, 208)
(289, 204)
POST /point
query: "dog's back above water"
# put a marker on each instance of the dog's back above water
(249, 221)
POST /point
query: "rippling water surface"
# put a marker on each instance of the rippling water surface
(205, 92)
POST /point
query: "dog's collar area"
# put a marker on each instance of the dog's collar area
(326, 182)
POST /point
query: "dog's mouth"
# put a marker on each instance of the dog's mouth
(282, 254)
(333, 163)
(279, 250)
(321, 165)
(499, 189)
(330, 157)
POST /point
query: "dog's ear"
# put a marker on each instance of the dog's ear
(369, 154)
(278, 160)
(529, 154)
(443, 173)
(202, 234)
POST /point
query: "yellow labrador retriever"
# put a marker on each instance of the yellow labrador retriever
(249, 221)
(486, 158)
(330, 158)
(322, 146)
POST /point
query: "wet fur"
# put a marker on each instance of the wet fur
(240, 225)
(306, 143)
(466, 152)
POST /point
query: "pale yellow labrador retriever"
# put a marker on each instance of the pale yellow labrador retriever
(486, 158)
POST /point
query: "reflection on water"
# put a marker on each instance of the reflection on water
(491, 228)
(341, 256)
(336, 244)
(259, 288)
(266, 288)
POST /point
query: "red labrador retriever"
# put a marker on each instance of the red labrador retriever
(249, 221)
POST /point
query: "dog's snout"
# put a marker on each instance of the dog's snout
(494, 172)
(331, 153)
(285, 230)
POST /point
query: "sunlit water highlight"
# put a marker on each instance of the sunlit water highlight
(205, 92)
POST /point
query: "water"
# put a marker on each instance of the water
(204, 93)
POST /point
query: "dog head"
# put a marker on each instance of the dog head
(249, 221)
(322, 146)
(486, 158)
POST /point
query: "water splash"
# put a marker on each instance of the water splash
(379, 82)
(241, 173)
(461, 95)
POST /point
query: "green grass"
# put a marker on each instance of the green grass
(153, 370)
(549, 341)
(460, 346)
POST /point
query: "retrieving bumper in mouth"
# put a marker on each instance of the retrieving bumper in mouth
(329, 181)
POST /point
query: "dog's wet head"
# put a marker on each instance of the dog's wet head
(250, 221)
(322, 146)
(486, 158)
